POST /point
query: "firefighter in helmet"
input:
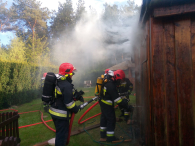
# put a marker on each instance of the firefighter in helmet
(106, 71)
(64, 103)
(125, 88)
(108, 97)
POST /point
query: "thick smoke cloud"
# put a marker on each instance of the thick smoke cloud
(95, 41)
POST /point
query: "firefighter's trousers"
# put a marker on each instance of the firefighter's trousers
(62, 128)
(125, 113)
(107, 121)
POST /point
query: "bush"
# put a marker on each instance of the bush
(20, 83)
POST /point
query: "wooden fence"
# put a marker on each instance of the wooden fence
(10, 141)
(9, 132)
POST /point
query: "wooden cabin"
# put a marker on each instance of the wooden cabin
(165, 73)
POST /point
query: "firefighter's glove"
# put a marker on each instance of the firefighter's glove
(126, 100)
(80, 108)
(130, 108)
(81, 99)
(78, 95)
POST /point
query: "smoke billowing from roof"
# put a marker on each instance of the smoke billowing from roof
(96, 43)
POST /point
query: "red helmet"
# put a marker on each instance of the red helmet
(106, 71)
(119, 75)
(44, 75)
(66, 68)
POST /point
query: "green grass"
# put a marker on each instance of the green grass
(40, 133)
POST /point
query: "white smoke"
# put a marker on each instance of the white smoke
(94, 41)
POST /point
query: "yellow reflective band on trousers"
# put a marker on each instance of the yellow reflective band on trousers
(57, 114)
(109, 134)
(102, 130)
(108, 103)
(126, 113)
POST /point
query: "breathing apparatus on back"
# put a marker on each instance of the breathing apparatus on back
(102, 80)
(99, 85)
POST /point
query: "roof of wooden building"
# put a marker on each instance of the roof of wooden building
(148, 6)
(123, 66)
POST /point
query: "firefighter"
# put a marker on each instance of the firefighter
(106, 71)
(108, 97)
(64, 104)
(125, 88)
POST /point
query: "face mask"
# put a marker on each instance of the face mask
(69, 79)
(117, 82)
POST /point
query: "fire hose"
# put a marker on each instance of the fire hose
(86, 103)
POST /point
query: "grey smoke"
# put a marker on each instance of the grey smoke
(93, 41)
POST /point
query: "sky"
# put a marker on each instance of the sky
(53, 5)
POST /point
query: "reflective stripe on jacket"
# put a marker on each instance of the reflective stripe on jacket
(58, 113)
(108, 102)
(70, 105)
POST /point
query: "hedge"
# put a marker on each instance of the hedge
(20, 83)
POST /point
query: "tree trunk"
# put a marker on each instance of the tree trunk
(33, 35)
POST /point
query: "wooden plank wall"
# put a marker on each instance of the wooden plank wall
(167, 81)
(193, 63)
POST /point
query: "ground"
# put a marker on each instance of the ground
(39, 133)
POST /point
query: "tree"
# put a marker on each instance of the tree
(111, 14)
(40, 49)
(17, 50)
(130, 9)
(62, 21)
(80, 10)
(3, 54)
(6, 18)
(31, 16)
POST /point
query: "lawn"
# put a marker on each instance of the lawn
(40, 133)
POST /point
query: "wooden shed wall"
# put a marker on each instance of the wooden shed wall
(165, 81)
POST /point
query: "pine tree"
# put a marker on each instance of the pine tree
(80, 9)
(31, 16)
(62, 21)
(6, 18)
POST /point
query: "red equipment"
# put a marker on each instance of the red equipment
(106, 71)
(66, 68)
(44, 75)
(119, 75)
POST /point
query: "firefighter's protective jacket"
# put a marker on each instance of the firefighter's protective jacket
(125, 86)
(110, 95)
(64, 103)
